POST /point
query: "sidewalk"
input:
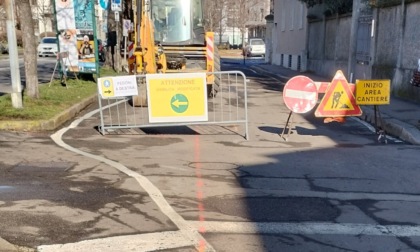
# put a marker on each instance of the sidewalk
(5, 246)
(400, 118)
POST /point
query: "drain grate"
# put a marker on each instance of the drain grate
(43, 167)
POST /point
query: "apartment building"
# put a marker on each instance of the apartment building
(289, 34)
(256, 23)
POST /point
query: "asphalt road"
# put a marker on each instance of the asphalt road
(328, 187)
(45, 71)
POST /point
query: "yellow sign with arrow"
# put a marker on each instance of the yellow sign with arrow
(177, 97)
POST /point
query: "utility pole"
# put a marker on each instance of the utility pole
(353, 40)
(13, 55)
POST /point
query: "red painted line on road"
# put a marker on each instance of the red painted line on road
(199, 185)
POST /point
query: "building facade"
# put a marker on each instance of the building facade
(375, 42)
(289, 34)
(256, 24)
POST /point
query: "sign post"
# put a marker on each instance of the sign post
(126, 28)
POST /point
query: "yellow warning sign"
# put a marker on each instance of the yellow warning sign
(373, 92)
(338, 99)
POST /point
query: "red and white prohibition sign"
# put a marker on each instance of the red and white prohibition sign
(300, 94)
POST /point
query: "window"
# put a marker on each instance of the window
(300, 16)
(283, 19)
(49, 40)
(292, 16)
(172, 20)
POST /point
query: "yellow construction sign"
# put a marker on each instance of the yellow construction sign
(373, 92)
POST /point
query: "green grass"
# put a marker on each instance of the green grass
(52, 99)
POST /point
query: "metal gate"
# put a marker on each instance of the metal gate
(228, 107)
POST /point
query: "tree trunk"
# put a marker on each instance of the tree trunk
(29, 44)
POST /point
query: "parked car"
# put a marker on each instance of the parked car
(47, 47)
(255, 47)
(4, 49)
(223, 45)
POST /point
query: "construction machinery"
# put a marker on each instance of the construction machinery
(169, 37)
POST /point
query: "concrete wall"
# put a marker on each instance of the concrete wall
(328, 47)
(397, 48)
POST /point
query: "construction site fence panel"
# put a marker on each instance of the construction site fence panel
(226, 106)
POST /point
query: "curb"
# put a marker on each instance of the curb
(50, 124)
(5, 246)
(402, 130)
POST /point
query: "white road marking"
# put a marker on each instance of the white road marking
(138, 243)
(308, 228)
(346, 195)
(176, 239)
(188, 232)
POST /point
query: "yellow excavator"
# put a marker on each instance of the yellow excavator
(169, 36)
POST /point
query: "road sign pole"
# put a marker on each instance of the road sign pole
(287, 126)
(13, 55)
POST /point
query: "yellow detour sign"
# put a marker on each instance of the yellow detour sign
(177, 97)
(373, 92)
(121, 86)
(338, 100)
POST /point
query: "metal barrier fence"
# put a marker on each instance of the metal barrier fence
(226, 106)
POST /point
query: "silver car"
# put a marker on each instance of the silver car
(47, 47)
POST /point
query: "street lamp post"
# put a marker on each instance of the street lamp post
(13, 55)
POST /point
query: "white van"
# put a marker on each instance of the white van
(255, 47)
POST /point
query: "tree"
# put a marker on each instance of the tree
(239, 12)
(215, 16)
(30, 55)
(43, 12)
(3, 36)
